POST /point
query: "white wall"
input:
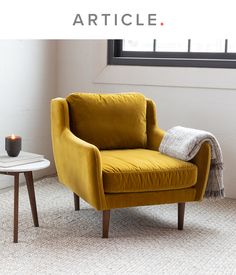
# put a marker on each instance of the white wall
(27, 83)
(193, 97)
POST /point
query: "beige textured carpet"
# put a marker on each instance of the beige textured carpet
(143, 240)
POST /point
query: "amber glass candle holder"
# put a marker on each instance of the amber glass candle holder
(13, 145)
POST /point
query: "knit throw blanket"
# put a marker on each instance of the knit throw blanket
(184, 143)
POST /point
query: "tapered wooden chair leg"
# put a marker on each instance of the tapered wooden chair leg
(105, 220)
(181, 208)
(76, 202)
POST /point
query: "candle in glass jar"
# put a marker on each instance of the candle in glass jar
(13, 145)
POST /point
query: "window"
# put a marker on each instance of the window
(212, 53)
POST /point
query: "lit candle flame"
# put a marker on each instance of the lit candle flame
(13, 136)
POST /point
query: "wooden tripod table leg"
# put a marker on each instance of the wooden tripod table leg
(16, 207)
(30, 187)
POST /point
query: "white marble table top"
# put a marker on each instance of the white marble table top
(34, 166)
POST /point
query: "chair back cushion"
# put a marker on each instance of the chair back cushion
(109, 121)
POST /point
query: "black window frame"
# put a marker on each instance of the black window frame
(116, 56)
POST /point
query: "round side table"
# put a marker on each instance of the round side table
(27, 169)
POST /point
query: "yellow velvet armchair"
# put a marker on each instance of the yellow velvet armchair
(106, 152)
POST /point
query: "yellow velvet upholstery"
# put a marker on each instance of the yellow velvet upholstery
(142, 170)
(109, 121)
(91, 172)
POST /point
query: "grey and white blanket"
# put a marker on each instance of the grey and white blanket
(184, 143)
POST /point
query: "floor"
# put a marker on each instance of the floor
(143, 240)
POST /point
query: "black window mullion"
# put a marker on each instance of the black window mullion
(154, 45)
(189, 45)
(226, 45)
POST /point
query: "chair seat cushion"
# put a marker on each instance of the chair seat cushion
(141, 170)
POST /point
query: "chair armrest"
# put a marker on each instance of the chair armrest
(154, 133)
(155, 136)
(203, 162)
(81, 168)
(202, 159)
(78, 163)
